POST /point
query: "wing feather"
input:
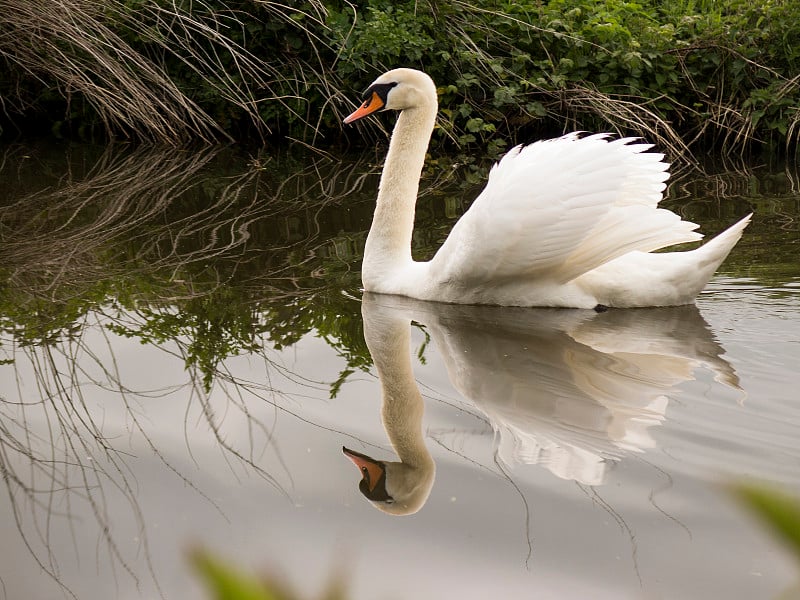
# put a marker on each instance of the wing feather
(559, 208)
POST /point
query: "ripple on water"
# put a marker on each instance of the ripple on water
(756, 434)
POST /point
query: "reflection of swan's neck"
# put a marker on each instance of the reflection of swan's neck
(408, 482)
(403, 406)
(388, 246)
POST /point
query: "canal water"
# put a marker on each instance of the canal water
(186, 350)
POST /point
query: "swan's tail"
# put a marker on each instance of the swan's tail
(693, 269)
(661, 278)
(711, 254)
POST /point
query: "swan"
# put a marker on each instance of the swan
(567, 222)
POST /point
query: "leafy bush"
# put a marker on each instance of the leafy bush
(691, 74)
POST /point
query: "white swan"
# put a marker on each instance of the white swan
(567, 222)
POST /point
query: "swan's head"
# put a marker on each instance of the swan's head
(393, 487)
(398, 89)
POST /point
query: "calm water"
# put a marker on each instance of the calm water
(186, 350)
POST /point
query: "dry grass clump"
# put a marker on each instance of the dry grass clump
(70, 42)
(84, 48)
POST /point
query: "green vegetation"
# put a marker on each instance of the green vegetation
(776, 508)
(690, 74)
(226, 582)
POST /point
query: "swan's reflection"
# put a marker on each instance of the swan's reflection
(569, 390)
(401, 487)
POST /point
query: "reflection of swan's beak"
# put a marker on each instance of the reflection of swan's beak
(372, 471)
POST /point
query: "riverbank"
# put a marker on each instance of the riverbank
(693, 76)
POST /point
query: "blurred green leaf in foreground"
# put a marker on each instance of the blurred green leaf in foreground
(779, 510)
(229, 583)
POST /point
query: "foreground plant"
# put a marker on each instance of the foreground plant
(226, 582)
(779, 511)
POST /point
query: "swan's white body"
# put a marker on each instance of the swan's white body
(568, 222)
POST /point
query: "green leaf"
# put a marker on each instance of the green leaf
(474, 125)
(779, 510)
(536, 108)
(226, 583)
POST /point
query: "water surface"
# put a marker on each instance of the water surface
(184, 357)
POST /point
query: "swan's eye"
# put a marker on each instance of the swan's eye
(381, 89)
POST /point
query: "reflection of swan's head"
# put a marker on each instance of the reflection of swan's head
(393, 487)
(398, 89)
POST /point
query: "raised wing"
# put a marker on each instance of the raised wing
(558, 208)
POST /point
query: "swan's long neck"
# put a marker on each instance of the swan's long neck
(388, 340)
(388, 247)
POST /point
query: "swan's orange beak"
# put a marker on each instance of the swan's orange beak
(371, 470)
(370, 106)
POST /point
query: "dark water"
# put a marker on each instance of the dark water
(184, 349)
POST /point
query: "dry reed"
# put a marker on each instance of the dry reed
(74, 46)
